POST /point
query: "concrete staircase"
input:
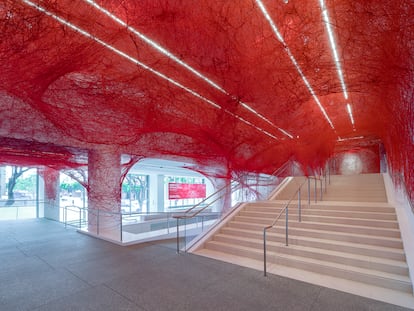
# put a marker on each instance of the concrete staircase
(353, 234)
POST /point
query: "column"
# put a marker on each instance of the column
(160, 194)
(48, 193)
(224, 204)
(104, 194)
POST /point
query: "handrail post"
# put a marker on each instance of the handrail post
(299, 205)
(308, 191)
(264, 252)
(202, 223)
(329, 173)
(185, 234)
(287, 225)
(80, 218)
(97, 223)
(316, 193)
(178, 237)
(321, 189)
(120, 221)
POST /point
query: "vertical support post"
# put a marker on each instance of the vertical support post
(97, 223)
(185, 234)
(37, 193)
(178, 237)
(202, 223)
(264, 252)
(287, 225)
(308, 191)
(316, 193)
(80, 218)
(299, 206)
(321, 188)
(168, 222)
(329, 173)
(120, 221)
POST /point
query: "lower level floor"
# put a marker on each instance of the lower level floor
(47, 267)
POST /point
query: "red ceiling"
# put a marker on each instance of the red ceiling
(59, 87)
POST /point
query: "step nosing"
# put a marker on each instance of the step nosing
(347, 255)
(385, 275)
(322, 240)
(328, 232)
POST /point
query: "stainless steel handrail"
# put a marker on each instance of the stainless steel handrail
(73, 208)
(286, 211)
(281, 168)
(196, 213)
(207, 198)
(232, 186)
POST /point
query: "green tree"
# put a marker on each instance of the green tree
(17, 171)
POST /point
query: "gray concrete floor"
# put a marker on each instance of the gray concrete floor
(44, 266)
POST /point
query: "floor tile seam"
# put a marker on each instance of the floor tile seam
(78, 277)
(62, 297)
(123, 296)
(19, 248)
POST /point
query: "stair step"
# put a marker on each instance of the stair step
(326, 207)
(336, 227)
(392, 242)
(357, 260)
(320, 212)
(325, 219)
(387, 280)
(322, 243)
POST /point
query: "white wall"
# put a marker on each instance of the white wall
(405, 216)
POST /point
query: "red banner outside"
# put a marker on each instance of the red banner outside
(178, 191)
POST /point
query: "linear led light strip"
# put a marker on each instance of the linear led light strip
(327, 23)
(171, 56)
(292, 58)
(348, 107)
(350, 138)
(137, 62)
(333, 46)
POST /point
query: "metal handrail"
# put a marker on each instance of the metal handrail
(73, 208)
(320, 178)
(233, 185)
(281, 168)
(178, 217)
(286, 211)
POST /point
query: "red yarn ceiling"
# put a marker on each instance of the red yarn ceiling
(243, 84)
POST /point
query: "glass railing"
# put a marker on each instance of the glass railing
(185, 225)
(221, 204)
(21, 209)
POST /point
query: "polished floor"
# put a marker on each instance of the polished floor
(44, 266)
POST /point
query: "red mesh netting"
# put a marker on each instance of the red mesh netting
(60, 87)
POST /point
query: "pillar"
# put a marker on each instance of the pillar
(160, 193)
(224, 204)
(48, 193)
(104, 194)
(156, 193)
